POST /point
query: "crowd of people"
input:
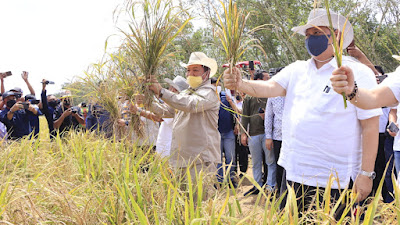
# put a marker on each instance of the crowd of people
(291, 120)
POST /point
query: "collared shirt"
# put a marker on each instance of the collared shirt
(251, 119)
(273, 118)
(319, 136)
(18, 126)
(393, 82)
(195, 136)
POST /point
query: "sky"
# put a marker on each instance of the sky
(55, 40)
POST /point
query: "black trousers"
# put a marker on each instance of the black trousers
(242, 156)
(279, 169)
(305, 195)
(380, 164)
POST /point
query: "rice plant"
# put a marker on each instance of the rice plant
(338, 47)
(155, 24)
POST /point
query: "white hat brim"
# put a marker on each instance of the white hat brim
(210, 63)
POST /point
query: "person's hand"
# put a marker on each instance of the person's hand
(31, 108)
(355, 52)
(156, 118)
(342, 80)
(133, 108)
(24, 76)
(44, 84)
(154, 86)
(121, 122)
(2, 76)
(17, 106)
(67, 112)
(236, 129)
(362, 187)
(232, 79)
(268, 144)
(243, 139)
(262, 115)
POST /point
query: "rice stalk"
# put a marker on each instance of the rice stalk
(338, 48)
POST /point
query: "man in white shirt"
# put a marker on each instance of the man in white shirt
(320, 137)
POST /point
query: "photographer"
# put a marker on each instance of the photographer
(16, 116)
(98, 119)
(34, 119)
(48, 106)
(66, 117)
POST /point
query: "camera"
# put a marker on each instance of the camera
(25, 104)
(83, 104)
(74, 111)
(34, 101)
(48, 82)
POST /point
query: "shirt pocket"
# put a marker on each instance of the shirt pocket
(331, 102)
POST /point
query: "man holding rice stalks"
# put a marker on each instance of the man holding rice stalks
(195, 137)
(320, 137)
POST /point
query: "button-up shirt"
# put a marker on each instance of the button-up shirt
(195, 136)
(273, 118)
(319, 136)
(18, 126)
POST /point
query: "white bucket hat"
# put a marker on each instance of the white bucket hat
(319, 18)
(179, 83)
(199, 58)
(396, 57)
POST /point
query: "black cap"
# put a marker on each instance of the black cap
(8, 93)
(30, 97)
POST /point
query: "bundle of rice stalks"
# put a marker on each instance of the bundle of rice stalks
(154, 26)
(231, 32)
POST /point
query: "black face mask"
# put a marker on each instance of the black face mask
(66, 103)
(11, 103)
(53, 103)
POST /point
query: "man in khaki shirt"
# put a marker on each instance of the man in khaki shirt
(195, 136)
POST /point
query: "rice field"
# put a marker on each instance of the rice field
(86, 179)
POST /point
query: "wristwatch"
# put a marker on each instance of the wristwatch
(370, 175)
